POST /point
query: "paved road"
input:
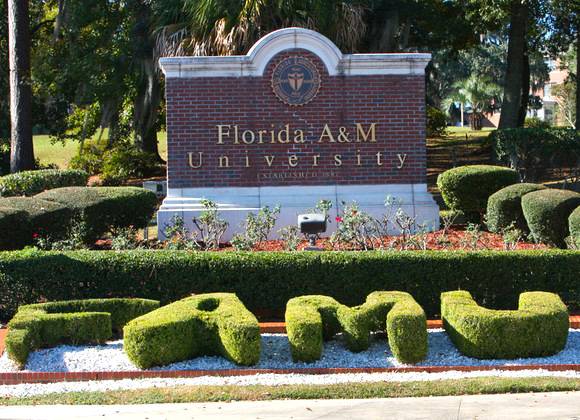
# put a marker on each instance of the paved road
(557, 405)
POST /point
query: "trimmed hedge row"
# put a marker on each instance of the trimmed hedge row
(52, 212)
(505, 207)
(547, 213)
(467, 188)
(42, 217)
(14, 228)
(312, 319)
(267, 280)
(538, 328)
(77, 321)
(103, 208)
(33, 182)
(209, 324)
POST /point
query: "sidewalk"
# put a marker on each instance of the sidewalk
(557, 405)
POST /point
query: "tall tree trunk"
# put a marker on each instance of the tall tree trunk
(577, 79)
(383, 30)
(21, 147)
(59, 20)
(146, 109)
(525, 97)
(513, 89)
(146, 105)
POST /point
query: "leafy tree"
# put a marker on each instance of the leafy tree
(565, 32)
(478, 93)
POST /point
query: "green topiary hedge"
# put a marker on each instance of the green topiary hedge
(267, 280)
(547, 213)
(574, 223)
(15, 231)
(104, 208)
(312, 319)
(43, 217)
(33, 182)
(210, 324)
(504, 207)
(538, 328)
(467, 188)
(78, 321)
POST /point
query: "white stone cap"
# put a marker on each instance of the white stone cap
(254, 63)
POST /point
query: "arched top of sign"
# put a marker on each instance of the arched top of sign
(254, 63)
(295, 38)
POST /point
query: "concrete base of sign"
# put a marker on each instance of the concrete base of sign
(235, 203)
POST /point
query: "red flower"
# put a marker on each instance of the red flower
(35, 235)
(338, 219)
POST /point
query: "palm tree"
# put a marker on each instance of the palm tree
(214, 27)
(478, 93)
(21, 148)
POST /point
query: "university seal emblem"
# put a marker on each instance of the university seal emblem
(295, 81)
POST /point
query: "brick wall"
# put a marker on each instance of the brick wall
(195, 106)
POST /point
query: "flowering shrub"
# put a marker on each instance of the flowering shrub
(354, 227)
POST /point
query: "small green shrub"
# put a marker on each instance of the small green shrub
(504, 207)
(15, 230)
(90, 160)
(79, 321)
(467, 188)
(210, 324)
(33, 182)
(127, 161)
(106, 208)
(574, 223)
(312, 319)
(538, 328)
(547, 213)
(45, 218)
(436, 122)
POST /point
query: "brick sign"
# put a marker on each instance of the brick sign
(294, 111)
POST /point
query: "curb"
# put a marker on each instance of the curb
(14, 378)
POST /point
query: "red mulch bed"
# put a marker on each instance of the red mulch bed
(454, 239)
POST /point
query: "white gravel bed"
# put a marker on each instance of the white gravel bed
(27, 390)
(276, 355)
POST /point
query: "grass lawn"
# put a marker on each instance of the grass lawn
(61, 154)
(184, 394)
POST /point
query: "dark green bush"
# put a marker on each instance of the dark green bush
(312, 319)
(4, 155)
(504, 207)
(531, 150)
(127, 161)
(15, 230)
(89, 321)
(33, 182)
(105, 208)
(90, 160)
(467, 188)
(538, 328)
(45, 218)
(574, 223)
(210, 324)
(436, 122)
(267, 280)
(547, 213)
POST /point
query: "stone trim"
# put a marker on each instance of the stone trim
(255, 61)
